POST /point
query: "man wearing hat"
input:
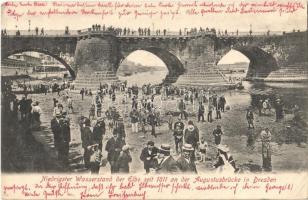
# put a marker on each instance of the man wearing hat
(182, 109)
(113, 147)
(217, 134)
(149, 156)
(119, 128)
(250, 118)
(66, 138)
(56, 130)
(178, 134)
(22, 107)
(152, 121)
(87, 142)
(166, 163)
(279, 109)
(191, 136)
(134, 117)
(225, 161)
(185, 163)
(98, 132)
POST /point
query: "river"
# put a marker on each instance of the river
(290, 93)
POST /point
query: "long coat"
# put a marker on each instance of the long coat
(98, 132)
(123, 162)
(114, 147)
(169, 166)
(185, 166)
(152, 163)
(191, 136)
(56, 130)
(87, 137)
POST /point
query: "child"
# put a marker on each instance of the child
(202, 148)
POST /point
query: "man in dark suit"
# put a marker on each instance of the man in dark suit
(113, 147)
(56, 130)
(66, 138)
(178, 135)
(166, 163)
(185, 163)
(87, 142)
(149, 156)
(98, 132)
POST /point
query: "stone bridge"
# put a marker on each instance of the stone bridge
(190, 59)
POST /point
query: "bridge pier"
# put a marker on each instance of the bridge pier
(96, 60)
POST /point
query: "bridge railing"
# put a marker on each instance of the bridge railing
(133, 33)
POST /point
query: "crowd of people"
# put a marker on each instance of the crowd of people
(144, 112)
(140, 31)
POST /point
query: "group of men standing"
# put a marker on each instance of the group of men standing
(159, 160)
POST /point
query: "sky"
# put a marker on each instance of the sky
(150, 59)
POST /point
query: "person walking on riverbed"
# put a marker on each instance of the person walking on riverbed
(113, 147)
(217, 134)
(191, 136)
(266, 138)
(87, 142)
(186, 163)
(134, 117)
(182, 109)
(250, 118)
(82, 91)
(201, 112)
(149, 156)
(178, 135)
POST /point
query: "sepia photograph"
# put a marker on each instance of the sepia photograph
(153, 88)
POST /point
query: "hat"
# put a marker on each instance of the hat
(190, 122)
(125, 147)
(151, 143)
(190, 127)
(87, 122)
(100, 119)
(165, 148)
(58, 114)
(187, 147)
(223, 148)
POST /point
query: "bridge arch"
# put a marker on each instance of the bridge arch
(58, 58)
(261, 63)
(173, 63)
